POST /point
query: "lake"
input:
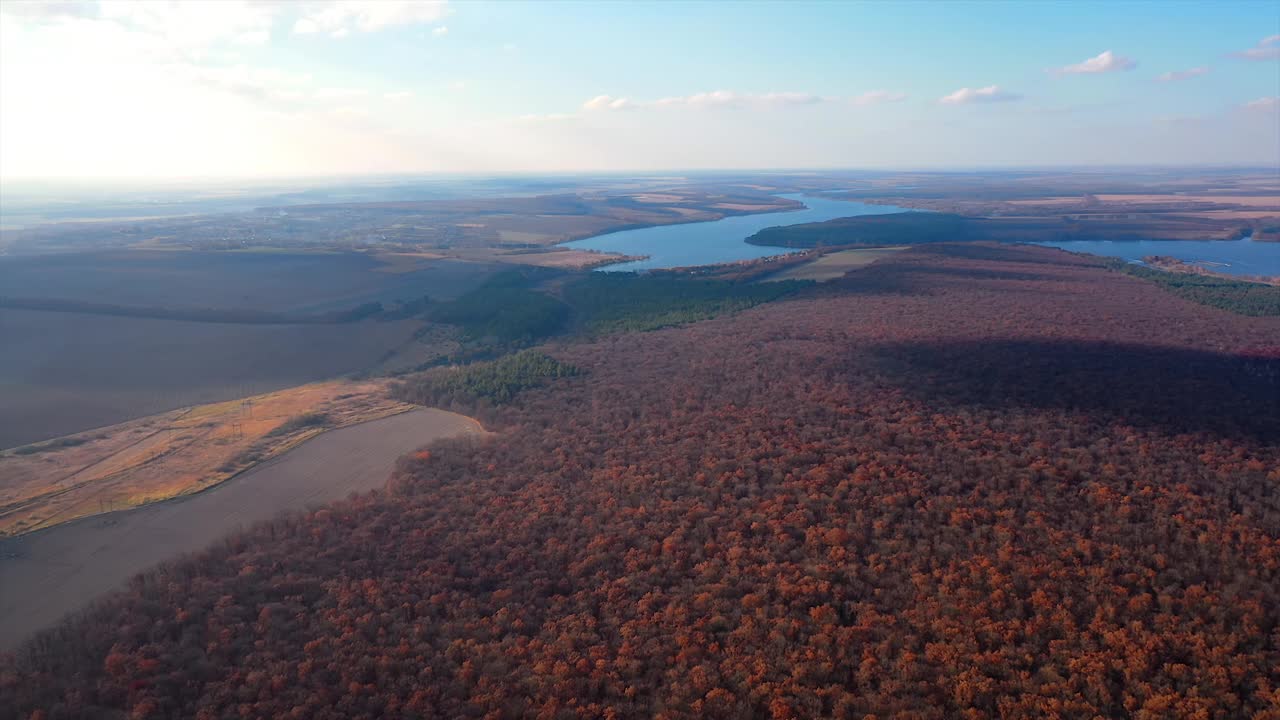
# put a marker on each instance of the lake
(1234, 257)
(719, 241)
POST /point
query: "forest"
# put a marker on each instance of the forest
(905, 228)
(919, 228)
(1239, 296)
(477, 385)
(506, 310)
(514, 309)
(620, 302)
(964, 482)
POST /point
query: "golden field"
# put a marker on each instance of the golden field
(832, 265)
(173, 453)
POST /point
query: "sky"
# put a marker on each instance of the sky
(127, 90)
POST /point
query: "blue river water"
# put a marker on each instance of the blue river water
(1234, 257)
(719, 241)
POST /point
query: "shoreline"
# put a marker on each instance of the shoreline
(50, 573)
(1183, 267)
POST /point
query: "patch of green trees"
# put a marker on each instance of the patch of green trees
(619, 302)
(494, 382)
(1238, 296)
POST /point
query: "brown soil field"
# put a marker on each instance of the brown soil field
(1048, 201)
(690, 212)
(833, 265)
(47, 574)
(171, 454)
(657, 198)
(1272, 201)
(744, 207)
(518, 237)
(564, 258)
(1235, 214)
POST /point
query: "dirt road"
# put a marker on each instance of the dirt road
(47, 574)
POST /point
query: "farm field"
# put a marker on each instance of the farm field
(294, 281)
(549, 257)
(171, 454)
(1154, 204)
(48, 574)
(453, 227)
(66, 372)
(1267, 201)
(63, 373)
(833, 265)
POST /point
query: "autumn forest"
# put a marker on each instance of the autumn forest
(967, 481)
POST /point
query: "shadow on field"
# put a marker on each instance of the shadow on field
(1178, 390)
(976, 273)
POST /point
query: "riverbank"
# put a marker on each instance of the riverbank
(176, 453)
(1174, 265)
(49, 573)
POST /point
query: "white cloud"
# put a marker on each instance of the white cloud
(442, 30)
(785, 98)
(458, 85)
(1263, 104)
(1176, 75)
(988, 94)
(348, 112)
(728, 98)
(165, 30)
(398, 96)
(157, 109)
(718, 99)
(254, 37)
(198, 23)
(606, 102)
(338, 93)
(274, 88)
(50, 11)
(1268, 48)
(878, 97)
(1104, 62)
(190, 26)
(549, 117)
(340, 17)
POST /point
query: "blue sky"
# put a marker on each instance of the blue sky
(156, 89)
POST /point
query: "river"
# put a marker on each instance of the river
(1233, 257)
(719, 241)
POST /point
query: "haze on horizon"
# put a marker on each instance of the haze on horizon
(152, 90)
